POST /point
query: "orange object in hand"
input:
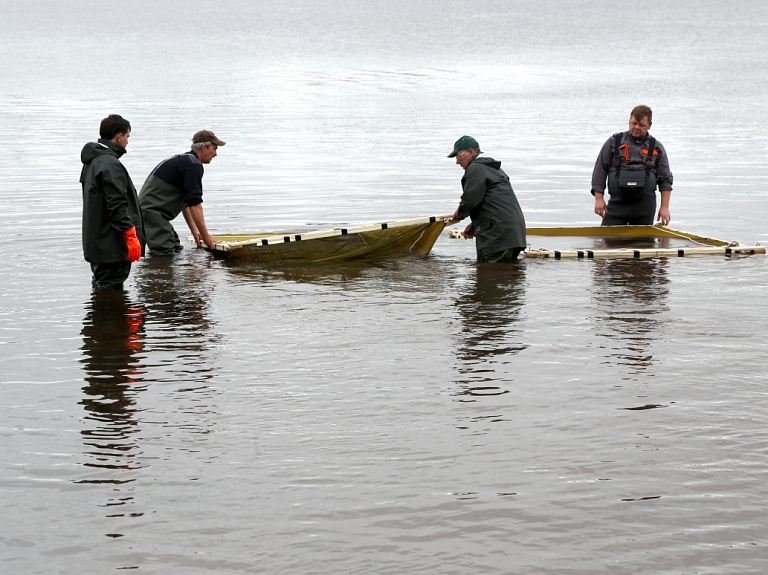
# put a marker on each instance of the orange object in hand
(132, 241)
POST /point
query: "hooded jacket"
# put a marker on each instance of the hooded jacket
(110, 203)
(490, 202)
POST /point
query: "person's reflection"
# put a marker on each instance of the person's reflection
(630, 297)
(112, 347)
(176, 294)
(489, 310)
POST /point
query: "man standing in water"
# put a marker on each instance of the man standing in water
(497, 224)
(634, 165)
(176, 186)
(113, 230)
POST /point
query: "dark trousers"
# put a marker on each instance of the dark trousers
(609, 219)
(638, 213)
(508, 255)
(110, 276)
(162, 238)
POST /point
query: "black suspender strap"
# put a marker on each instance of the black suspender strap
(616, 153)
(650, 160)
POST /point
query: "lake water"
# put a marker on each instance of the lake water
(410, 416)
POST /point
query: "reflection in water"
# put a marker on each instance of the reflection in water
(631, 295)
(179, 337)
(410, 274)
(489, 310)
(321, 273)
(112, 346)
(176, 293)
(128, 346)
(635, 242)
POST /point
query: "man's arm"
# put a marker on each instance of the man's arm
(664, 180)
(196, 221)
(602, 165)
(474, 191)
(193, 196)
(600, 207)
(664, 177)
(114, 182)
(664, 216)
(192, 226)
(600, 176)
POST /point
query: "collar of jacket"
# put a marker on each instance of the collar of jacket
(116, 148)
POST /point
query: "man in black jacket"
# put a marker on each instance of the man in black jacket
(497, 224)
(113, 229)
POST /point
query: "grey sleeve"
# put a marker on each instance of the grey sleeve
(663, 173)
(602, 165)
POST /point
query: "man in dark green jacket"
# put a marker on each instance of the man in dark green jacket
(497, 224)
(113, 229)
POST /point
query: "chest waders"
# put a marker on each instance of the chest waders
(632, 191)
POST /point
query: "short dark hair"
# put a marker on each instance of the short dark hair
(113, 125)
(642, 111)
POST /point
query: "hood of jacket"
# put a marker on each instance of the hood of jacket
(490, 162)
(93, 150)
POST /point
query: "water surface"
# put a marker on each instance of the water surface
(409, 416)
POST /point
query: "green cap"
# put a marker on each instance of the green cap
(464, 143)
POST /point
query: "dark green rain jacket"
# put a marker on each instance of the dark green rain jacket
(490, 202)
(110, 203)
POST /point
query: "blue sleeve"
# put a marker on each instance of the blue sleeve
(193, 184)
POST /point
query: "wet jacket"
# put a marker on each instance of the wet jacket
(110, 203)
(490, 202)
(174, 184)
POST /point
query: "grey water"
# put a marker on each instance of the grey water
(408, 416)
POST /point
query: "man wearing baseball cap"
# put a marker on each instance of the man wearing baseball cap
(176, 186)
(497, 224)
